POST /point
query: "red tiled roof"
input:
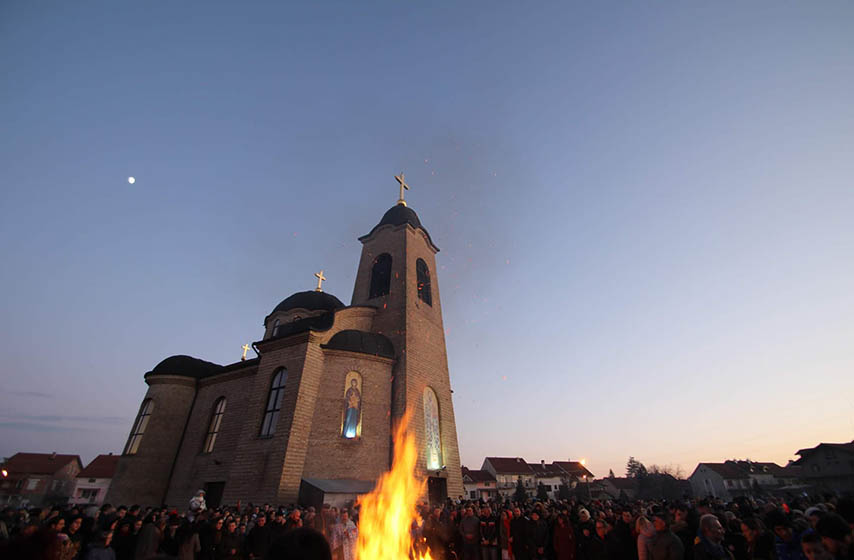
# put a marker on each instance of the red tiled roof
(727, 471)
(546, 471)
(573, 468)
(478, 476)
(509, 465)
(756, 467)
(39, 463)
(102, 466)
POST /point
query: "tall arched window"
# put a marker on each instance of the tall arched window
(351, 424)
(432, 432)
(422, 277)
(139, 426)
(274, 402)
(380, 276)
(216, 422)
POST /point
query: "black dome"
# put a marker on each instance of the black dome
(398, 215)
(362, 342)
(311, 300)
(184, 365)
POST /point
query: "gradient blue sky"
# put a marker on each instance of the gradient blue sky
(645, 211)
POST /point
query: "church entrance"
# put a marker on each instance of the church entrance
(213, 493)
(437, 490)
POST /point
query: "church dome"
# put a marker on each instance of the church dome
(398, 215)
(361, 342)
(311, 300)
(187, 366)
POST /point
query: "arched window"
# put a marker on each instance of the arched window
(351, 424)
(380, 276)
(216, 422)
(274, 402)
(275, 328)
(422, 277)
(139, 426)
(432, 433)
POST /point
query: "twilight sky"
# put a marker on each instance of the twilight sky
(645, 212)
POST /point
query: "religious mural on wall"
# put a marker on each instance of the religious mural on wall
(432, 435)
(352, 425)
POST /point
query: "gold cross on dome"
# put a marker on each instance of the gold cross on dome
(245, 350)
(320, 278)
(403, 187)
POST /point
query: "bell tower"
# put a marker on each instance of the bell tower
(397, 274)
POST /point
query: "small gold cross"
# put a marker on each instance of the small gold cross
(245, 350)
(320, 278)
(403, 186)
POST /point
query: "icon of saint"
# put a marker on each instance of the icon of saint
(353, 404)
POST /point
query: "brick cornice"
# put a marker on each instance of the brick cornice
(358, 355)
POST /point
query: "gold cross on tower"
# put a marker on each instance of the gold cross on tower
(403, 187)
(245, 350)
(320, 279)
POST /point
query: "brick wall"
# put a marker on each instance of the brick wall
(417, 332)
(329, 454)
(143, 477)
(195, 467)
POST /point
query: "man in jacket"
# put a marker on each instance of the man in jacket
(665, 545)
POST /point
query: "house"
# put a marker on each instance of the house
(550, 476)
(720, 480)
(620, 488)
(507, 471)
(92, 483)
(38, 479)
(479, 485)
(574, 472)
(828, 467)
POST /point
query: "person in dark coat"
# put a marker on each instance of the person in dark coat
(665, 545)
(519, 536)
(539, 536)
(124, 543)
(258, 540)
(231, 545)
(710, 544)
(601, 545)
(148, 541)
(99, 547)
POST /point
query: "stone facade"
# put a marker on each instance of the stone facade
(393, 344)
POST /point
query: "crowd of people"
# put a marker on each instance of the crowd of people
(705, 529)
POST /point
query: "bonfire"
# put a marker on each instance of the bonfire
(387, 513)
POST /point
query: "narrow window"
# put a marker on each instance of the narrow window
(422, 277)
(351, 426)
(216, 422)
(275, 327)
(380, 276)
(274, 402)
(139, 427)
(432, 435)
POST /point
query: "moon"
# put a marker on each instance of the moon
(131, 180)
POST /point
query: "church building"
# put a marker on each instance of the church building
(310, 419)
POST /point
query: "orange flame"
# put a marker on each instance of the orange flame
(387, 513)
